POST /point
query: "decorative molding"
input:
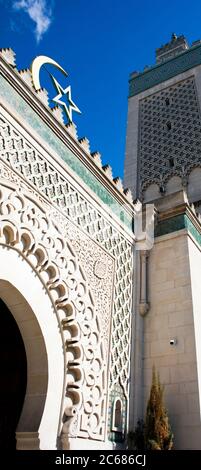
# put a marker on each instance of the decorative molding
(101, 281)
(144, 308)
(65, 144)
(26, 227)
(179, 218)
(100, 268)
(160, 73)
(8, 55)
(69, 206)
(170, 225)
(23, 157)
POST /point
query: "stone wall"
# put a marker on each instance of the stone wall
(173, 295)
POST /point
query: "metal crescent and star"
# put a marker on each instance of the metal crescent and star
(67, 104)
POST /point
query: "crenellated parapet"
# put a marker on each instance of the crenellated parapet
(58, 114)
(84, 142)
(43, 96)
(91, 158)
(26, 76)
(119, 184)
(9, 55)
(108, 171)
(97, 158)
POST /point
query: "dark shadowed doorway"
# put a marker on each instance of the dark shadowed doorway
(13, 377)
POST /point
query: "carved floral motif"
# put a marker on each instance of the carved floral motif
(48, 184)
(26, 227)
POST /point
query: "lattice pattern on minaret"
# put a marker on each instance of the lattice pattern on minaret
(170, 133)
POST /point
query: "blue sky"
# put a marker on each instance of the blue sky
(99, 42)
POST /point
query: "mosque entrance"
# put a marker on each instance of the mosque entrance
(13, 377)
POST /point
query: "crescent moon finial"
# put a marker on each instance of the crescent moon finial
(36, 66)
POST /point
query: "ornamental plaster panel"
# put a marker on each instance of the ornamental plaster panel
(26, 227)
(79, 215)
(76, 158)
(99, 269)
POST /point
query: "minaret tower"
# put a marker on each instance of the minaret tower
(163, 153)
(163, 167)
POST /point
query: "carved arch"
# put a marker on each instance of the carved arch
(117, 415)
(27, 228)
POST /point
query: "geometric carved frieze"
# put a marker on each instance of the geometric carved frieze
(26, 227)
(169, 140)
(99, 268)
(76, 211)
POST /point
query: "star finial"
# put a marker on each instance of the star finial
(62, 92)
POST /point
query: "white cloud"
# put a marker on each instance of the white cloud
(39, 12)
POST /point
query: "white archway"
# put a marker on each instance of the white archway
(43, 265)
(29, 302)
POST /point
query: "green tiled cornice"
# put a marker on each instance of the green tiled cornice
(193, 230)
(159, 73)
(45, 132)
(177, 223)
(170, 225)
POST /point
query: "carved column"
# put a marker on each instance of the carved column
(144, 304)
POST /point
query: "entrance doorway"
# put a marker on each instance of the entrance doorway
(13, 377)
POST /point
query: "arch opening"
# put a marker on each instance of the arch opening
(24, 295)
(117, 415)
(13, 377)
